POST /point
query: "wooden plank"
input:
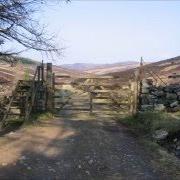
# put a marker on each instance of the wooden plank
(62, 83)
(72, 109)
(94, 84)
(62, 76)
(98, 77)
(63, 96)
(102, 103)
(101, 91)
(101, 97)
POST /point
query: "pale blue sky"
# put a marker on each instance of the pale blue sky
(112, 31)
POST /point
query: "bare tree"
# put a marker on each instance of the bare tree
(17, 24)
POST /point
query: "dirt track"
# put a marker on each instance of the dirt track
(75, 148)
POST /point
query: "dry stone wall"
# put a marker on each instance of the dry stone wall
(160, 98)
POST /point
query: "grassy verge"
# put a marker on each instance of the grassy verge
(144, 124)
(148, 122)
(161, 159)
(44, 116)
(15, 123)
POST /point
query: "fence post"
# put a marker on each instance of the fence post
(49, 82)
(134, 97)
(91, 102)
(139, 80)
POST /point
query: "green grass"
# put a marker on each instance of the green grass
(36, 117)
(148, 122)
(26, 75)
(27, 61)
(41, 116)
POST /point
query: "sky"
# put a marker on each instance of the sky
(100, 31)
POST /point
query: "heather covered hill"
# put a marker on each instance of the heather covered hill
(100, 69)
(162, 68)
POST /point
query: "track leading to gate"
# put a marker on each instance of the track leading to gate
(76, 146)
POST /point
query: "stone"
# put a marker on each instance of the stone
(160, 135)
(11, 133)
(159, 93)
(175, 109)
(171, 96)
(23, 158)
(178, 98)
(52, 170)
(177, 153)
(147, 107)
(145, 83)
(90, 161)
(4, 164)
(87, 172)
(29, 168)
(87, 157)
(145, 90)
(79, 166)
(174, 104)
(159, 107)
(178, 148)
(178, 93)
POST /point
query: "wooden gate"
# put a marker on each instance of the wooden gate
(93, 94)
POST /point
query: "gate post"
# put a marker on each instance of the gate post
(134, 98)
(50, 91)
(91, 102)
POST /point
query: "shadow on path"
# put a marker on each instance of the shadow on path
(71, 148)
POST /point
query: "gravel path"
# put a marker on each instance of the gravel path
(77, 147)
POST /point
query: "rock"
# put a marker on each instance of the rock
(159, 107)
(58, 163)
(90, 161)
(147, 107)
(175, 109)
(178, 148)
(23, 158)
(79, 166)
(87, 172)
(171, 96)
(29, 168)
(145, 83)
(4, 164)
(174, 104)
(160, 134)
(145, 90)
(177, 153)
(159, 93)
(178, 98)
(52, 170)
(87, 157)
(11, 133)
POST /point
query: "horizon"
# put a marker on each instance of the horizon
(112, 31)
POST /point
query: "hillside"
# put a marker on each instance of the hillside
(123, 72)
(100, 69)
(162, 68)
(9, 75)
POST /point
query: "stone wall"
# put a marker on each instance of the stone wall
(160, 98)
